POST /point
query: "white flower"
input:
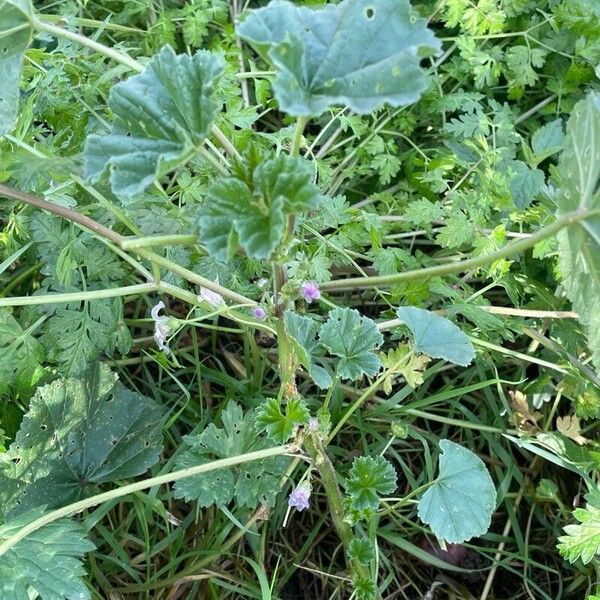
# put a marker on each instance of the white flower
(211, 297)
(161, 327)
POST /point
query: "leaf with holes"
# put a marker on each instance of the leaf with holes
(459, 503)
(161, 118)
(579, 244)
(252, 214)
(354, 339)
(46, 564)
(249, 484)
(355, 53)
(437, 336)
(78, 434)
(15, 35)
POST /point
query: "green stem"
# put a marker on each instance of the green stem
(515, 247)
(297, 139)
(111, 53)
(335, 500)
(65, 213)
(77, 507)
(194, 277)
(134, 243)
(91, 23)
(118, 239)
(287, 362)
(130, 290)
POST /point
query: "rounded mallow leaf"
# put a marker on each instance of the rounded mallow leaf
(459, 504)
(356, 53)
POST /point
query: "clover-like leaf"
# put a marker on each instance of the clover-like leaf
(15, 35)
(161, 117)
(579, 244)
(353, 338)
(250, 484)
(252, 214)
(355, 53)
(437, 336)
(369, 479)
(459, 504)
(279, 424)
(46, 564)
(303, 332)
(77, 434)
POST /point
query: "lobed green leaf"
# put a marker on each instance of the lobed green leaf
(161, 118)
(46, 564)
(355, 53)
(78, 434)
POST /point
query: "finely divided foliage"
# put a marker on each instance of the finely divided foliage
(286, 264)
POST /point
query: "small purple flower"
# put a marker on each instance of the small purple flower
(299, 498)
(161, 327)
(310, 291)
(313, 424)
(258, 312)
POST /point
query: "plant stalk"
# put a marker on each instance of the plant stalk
(511, 249)
(335, 500)
(129, 290)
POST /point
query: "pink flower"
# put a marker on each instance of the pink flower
(313, 424)
(299, 498)
(310, 291)
(214, 299)
(258, 312)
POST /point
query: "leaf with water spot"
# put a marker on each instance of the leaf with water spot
(459, 503)
(355, 53)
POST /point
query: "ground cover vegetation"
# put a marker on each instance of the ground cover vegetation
(299, 300)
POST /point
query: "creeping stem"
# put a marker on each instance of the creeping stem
(461, 266)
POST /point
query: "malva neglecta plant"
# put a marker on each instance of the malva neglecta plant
(264, 295)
